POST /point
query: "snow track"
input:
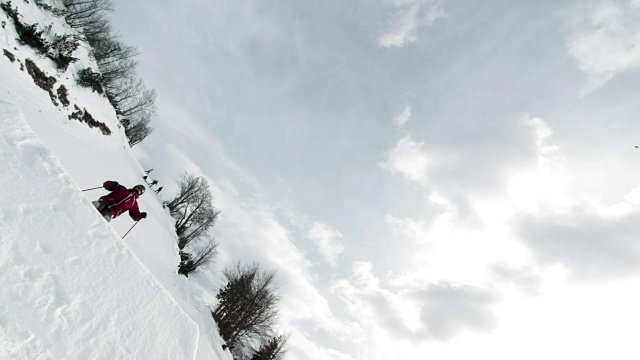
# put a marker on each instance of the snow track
(76, 290)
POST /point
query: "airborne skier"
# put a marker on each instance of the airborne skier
(119, 200)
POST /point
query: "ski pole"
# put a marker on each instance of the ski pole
(130, 229)
(99, 187)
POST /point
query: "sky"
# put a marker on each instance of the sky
(428, 178)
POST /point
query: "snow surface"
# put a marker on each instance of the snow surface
(75, 288)
(71, 287)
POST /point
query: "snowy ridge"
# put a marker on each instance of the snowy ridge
(76, 289)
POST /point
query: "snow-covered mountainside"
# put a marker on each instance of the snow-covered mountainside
(71, 287)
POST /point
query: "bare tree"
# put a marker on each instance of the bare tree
(133, 101)
(143, 100)
(196, 213)
(246, 309)
(83, 12)
(115, 71)
(272, 349)
(201, 258)
(125, 90)
(97, 31)
(130, 97)
(137, 128)
(192, 208)
(186, 237)
(115, 59)
(52, 9)
(189, 186)
(108, 50)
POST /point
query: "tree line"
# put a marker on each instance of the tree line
(115, 76)
(247, 308)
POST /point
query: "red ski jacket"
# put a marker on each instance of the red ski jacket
(120, 200)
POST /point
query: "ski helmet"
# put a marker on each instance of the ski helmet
(139, 189)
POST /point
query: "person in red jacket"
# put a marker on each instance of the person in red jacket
(119, 200)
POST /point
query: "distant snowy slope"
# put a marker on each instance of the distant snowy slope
(70, 287)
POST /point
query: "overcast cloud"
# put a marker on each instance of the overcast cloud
(440, 179)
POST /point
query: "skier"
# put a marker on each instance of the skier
(153, 183)
(120, 200)
(158, 191)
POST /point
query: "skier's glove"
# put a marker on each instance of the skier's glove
(110, 185)
(143, 215)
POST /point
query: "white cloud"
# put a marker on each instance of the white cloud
(326, 240)
(589, 245)
(409, 17)
(362, 275)
(546, 184)
(403, 28)
(307, 349)
(409, 159)
(419, 312)
(561, 223)
(401, 119)
(413, 229)
(633, 196)
(609, 42)
(525, 278)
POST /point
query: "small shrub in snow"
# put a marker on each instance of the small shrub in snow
(201, 258)
(93, 80)
(11, 12)
(55, 11)
(30, 36)
(27, 34)
(76, 115)
(9, 55)
(89, 120)
(63, 95)
(47, 30)
(83, 115)
(39, 77)
(61, 49)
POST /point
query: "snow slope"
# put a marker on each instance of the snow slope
(74, 288)
(71, 288)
